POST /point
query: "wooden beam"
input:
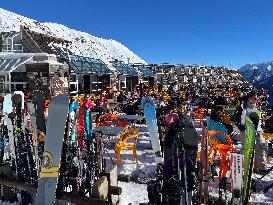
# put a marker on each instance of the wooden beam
(18, 185)
(79, 199)
(64, 196)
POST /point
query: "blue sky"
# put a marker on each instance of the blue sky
(211, 32)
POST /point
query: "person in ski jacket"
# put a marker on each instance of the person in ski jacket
(171, 90)
(218, 114)
(247, 108)
(121, 97)
(103, 103)
(268, 127)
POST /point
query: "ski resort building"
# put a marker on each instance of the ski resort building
(86, 75)
(32, 71)
(196, 75)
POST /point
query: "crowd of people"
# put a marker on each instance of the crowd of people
(214, 100)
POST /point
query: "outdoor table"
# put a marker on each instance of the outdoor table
(230, 109)
(131, 117)
(193, 107)
(109, 130)
(122, 103)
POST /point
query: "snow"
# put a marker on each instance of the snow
(19, 55)
(45, 61)
(7, 203)
(82, 43)
(145, 166)
(137, 193)
(133, 193)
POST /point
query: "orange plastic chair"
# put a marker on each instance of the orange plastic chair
(110, 119)
(214, 142)
(124, 145)
(223, 149)
(224, 162)
(213, 135)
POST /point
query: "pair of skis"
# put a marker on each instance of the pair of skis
(80, 162)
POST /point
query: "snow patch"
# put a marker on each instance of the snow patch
(82, 43)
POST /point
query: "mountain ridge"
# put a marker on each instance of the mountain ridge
(260, 74)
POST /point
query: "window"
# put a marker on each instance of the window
(2, 84)
(94, 79)
(18, 47)
(2, 79)
(19, 87)
(2, 88)
(73, 78)
(6, 41)
(73, 87)
(18, 77)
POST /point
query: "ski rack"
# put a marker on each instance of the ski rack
(113, 191)
(27, 187)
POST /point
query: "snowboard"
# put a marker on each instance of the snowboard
(248, 157)
(23, 97)
(151, 121)
(56, 123)
(39, 101)
(7, 104)
(7, 109)
(10, 148)
(81, 125)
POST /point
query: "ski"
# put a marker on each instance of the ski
(236, 169)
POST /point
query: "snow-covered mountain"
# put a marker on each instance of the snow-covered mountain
(260, 73)
(82, 43)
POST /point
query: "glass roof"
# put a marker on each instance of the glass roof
(10, 34)
(125, 69)
(146, 72)
(11, 64)
(81, 64)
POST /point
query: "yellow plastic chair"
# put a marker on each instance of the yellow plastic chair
(124, 145)
(267, 136)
